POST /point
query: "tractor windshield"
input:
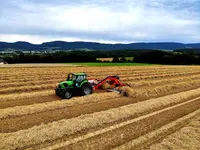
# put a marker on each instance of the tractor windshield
(76, 78)
(71, 77)
(80, 78)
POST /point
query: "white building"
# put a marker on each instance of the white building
(2, 61)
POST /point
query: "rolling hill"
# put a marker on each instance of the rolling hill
(61, 45)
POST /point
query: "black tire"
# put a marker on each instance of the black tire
(58, 93)
(67, 94)
(86, 89)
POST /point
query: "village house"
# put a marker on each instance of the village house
(2, 61)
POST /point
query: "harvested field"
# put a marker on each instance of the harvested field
(162, 109)
(185, 138)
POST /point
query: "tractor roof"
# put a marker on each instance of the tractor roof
(80, 74)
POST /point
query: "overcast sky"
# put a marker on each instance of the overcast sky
(108, 21)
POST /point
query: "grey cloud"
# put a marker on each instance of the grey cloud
(32, 17)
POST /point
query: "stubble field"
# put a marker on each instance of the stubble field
(161, 112)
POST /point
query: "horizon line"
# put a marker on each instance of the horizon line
(125, 43)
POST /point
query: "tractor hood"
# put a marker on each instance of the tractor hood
(65, 84)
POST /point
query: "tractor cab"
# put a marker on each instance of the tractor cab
(77, 77)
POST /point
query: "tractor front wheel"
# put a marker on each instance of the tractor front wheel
(67, 94)
(86, 89)
(58, 93)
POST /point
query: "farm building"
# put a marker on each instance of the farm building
(2, 61)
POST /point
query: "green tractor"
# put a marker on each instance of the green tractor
(76, 84)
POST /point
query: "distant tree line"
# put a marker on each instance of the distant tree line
(188, 50)
(165, 57)
(66, 56)
(58, 57)
(140, 56)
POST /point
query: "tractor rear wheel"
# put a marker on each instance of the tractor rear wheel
(87, 89)
(67, 94)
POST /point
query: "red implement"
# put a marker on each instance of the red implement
(112, 80)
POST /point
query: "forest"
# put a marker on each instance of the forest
(139, 56)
